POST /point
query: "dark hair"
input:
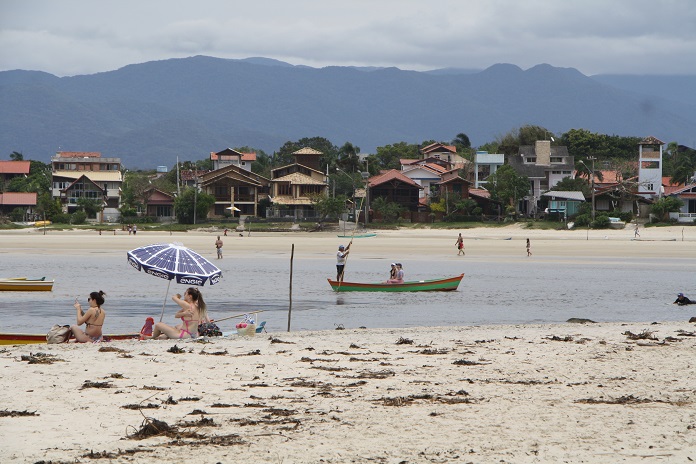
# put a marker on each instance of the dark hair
(98, 297)
(198, 298)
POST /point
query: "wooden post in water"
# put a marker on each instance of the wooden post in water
(292, 255)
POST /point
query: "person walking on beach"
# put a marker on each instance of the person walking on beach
(218, 246)
(341, 261)
(93, 318)
(529, 248)
(460, 245)
(635, 231)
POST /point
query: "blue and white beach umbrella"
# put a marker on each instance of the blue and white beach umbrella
(174, 261)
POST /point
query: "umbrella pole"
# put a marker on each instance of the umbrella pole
(165, 300)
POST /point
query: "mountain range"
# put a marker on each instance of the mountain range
(148, 114)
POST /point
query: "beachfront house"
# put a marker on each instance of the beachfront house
(426, 173)
(159, 204)
(24, 200)
(544, 166)
(687, 194)
(395, 187)
(563, 204)
(445, 154)
(11, 169)
(95, 174)
(231, 157)
(237, 191)
(486, 164)
(294, 186)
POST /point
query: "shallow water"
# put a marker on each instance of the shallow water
(494, 291)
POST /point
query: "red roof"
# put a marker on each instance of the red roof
(438, 147)
(18, 198)
(391, 174)
(14, 167)
(230, 152)
(79, 154)
(483, 193)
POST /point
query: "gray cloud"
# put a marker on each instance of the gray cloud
(595, 36)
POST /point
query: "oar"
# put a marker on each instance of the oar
(350, 243)
(238, 315)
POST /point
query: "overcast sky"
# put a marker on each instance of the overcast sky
(70, 37)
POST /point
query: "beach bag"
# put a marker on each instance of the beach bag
(58, 334)
(209, 329)
(147, 328)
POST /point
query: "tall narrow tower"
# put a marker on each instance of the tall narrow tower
(650, 167)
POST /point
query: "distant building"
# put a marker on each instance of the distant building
(230, 157)
(77, 174)
(486, 164)
(650, 167)
(544, 166)
(294, 185)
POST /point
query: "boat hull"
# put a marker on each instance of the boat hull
(25, 285)
(33, 339)
(435, 285)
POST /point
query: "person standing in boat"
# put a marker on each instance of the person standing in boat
(341, 261)
(460, 245)
(93, 318)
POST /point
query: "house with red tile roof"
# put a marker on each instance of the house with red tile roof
(11, 200)
(395, 187)
(12, 169)
(229, 156)
(687, 194)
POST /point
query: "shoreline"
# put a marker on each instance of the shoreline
(503, 393)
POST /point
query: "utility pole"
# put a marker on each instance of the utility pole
(593, 158)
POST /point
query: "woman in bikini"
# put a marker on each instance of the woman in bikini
(93, 318)
(193, 312)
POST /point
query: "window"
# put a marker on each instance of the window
(284, 189)
(650, 165)
(557, 159)
(649, 187)
(164, 211)
(530, 159)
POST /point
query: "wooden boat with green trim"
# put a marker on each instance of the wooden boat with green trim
(30, 339)
(22, 284)
(435, 285)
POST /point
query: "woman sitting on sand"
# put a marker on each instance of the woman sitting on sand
(193, 312)
(93, 317)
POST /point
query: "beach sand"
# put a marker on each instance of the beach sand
(513, 394)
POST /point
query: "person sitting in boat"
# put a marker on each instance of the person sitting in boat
(392, 271)
(93, 318)
(193, 312)
(399, 277)
(682, 300)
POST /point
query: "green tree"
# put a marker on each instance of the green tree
(684, 165)
(506, 186)
(262, 164)
(328, 207)
(91, 206)
(190, 201)
(390, 211)
(388, 156)
(665, 205)
(16, 156)
(348, 158)
(568, 184)
(48, 206)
